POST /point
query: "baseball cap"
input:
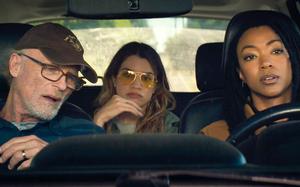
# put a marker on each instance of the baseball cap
(59, 44)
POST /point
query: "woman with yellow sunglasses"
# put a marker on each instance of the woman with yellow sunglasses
(135, 96)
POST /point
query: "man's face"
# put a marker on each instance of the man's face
(37, 97)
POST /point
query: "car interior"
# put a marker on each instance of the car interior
(184, 159)
(10, 33)
(209, 79)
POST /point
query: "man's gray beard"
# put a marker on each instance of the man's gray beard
(43, 115)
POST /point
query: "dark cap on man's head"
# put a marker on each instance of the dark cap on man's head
(59, 44)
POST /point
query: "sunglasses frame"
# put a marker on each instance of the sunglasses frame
(138, 74)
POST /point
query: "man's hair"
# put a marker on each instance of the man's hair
(162, 99)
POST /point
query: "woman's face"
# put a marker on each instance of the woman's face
(264, 63)
(136, 80)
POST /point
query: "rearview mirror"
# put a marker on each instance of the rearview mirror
(126, 9)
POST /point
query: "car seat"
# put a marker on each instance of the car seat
(10, 33)
(206, 107)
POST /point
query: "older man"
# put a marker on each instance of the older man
(43, 73)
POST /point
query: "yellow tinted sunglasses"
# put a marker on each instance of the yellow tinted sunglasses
(127, 77)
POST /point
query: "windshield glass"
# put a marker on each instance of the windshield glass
(176, 40)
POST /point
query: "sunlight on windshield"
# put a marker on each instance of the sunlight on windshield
(175, 39)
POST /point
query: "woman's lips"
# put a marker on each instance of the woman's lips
(133, 95)
(269, 79)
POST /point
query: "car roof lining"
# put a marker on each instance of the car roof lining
(46, 10)
(225, 9)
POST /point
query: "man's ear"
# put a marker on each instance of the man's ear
(14, 64)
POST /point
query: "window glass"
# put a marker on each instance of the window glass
(175, 39)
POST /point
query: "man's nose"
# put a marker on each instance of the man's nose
(62, 83)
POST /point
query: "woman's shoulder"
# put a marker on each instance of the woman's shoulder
(171, 122)
(218, 129)
(171, 115)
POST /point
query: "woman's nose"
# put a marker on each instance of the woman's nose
(265, 63)
(137, 82)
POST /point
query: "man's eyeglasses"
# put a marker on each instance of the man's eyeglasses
(127, 77)
(55, 73)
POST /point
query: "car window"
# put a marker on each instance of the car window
(176, 40)
(160, 159)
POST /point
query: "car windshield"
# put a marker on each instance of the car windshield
(153, 133)
(175, 39)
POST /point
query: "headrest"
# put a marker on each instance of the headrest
(209, 74)
(10, 33)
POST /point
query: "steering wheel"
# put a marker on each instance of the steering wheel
(263, 118)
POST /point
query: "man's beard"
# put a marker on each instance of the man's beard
(44, 112)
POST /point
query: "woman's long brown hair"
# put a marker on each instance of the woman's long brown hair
(162, 99)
